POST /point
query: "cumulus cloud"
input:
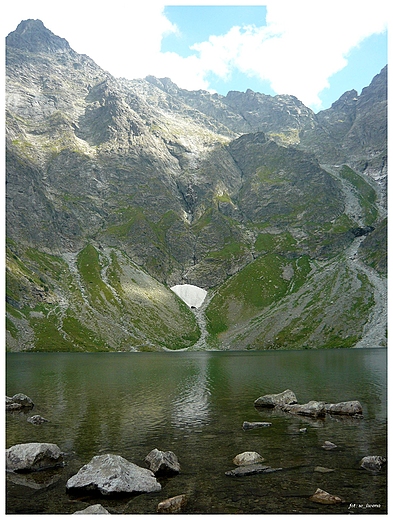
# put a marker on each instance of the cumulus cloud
(303, 44)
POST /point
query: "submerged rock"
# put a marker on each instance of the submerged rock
(248, 457)
(37, 419)
(373, 462)
(321, 469)
(163, 461)
(273, 400)
(172, 505)
(33, 456)
(108, 474)
(95, 509)
(250, 425)
(327, 445)
(250, 469)
(323, 497)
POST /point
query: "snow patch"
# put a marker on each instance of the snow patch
(192, 295)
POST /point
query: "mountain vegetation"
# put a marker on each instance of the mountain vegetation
(119, 189)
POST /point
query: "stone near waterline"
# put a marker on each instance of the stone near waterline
(251, 425)
(37, 419)
(303, 430)
(172, 505)
(17, 402)
(95, 509)
(345, 408)
(373, 462)
(33, 456)
(251, 469)
(163, 461)
(323, 497)
(311, 409)
(321, 469)
(327, 445)
(247, 457)
(273, 400)
(287, 402)
(110, 474)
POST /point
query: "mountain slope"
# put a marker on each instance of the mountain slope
(118, 189)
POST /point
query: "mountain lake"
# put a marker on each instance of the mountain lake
(194, 404)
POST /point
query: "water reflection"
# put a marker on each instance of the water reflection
(194, 404)
(191, 406)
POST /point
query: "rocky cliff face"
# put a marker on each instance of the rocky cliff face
(118, 189)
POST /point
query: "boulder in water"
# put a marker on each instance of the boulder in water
(33, 456)
(373, 462)
(172, 505)
(163, 461)
(323, 497)
(273, 400)
(109, 474)
(95, 509)
(17, 402)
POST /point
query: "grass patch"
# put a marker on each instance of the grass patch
(367, 194)
(89, 267)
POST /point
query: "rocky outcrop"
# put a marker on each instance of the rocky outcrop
(37, 419)
(373, 463)
(18, 402)
(273, 400)
(33, 456)
(95, 509)
(287, 402)
(112, 474)
(206, 186)
(172, 505)
(163, 462)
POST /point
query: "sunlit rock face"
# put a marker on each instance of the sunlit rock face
(192, 295)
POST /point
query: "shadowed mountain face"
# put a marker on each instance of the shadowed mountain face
(119, 189)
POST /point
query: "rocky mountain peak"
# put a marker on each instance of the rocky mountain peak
(118, 189)
(33, 36)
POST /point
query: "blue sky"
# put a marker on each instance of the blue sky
(197, 23)
(315, 50)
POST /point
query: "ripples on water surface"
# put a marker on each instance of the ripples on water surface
(194, 404)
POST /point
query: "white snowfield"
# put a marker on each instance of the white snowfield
(192, 295)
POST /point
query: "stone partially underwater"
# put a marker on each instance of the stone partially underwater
(112, 474)
(287, 402)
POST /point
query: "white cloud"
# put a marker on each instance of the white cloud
(300, 48)
(303, 44)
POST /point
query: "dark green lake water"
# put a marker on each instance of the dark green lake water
(194, 404)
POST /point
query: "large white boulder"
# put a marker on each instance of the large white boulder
(109, 474)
